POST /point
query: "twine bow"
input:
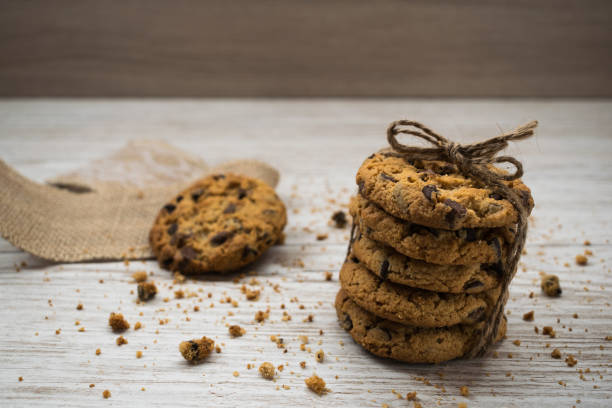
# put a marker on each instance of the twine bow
(474, 161)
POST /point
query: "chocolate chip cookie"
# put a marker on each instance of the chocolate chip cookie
(406, 343)
(389, 264)
(465, 246)
(410, 306)
(435, 194)
(221, 223)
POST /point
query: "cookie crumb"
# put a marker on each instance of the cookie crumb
(316, 384)
(106, 394)
(581, 260)
(587, 242)
(267, 370)
(121, 341)
(462, 405)
(197, 349)
(303, 364)
(236, 331)
(464, 390)
(98, 352)
(411, 396)
(321, 237)
(320, 356)
(139, 354)
(20, 379)
(549, 331)
(571, 361)
(118, 322)
(556, 354)
(550, 285)
(146, 291)
(260, 316)
(328, 276)
(516, 342)
(79, 306)
(339, 219)
(138, 326)
(139, 276)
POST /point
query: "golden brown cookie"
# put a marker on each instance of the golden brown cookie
(465, 246)
(411, 344)
(410, 306)
(221, 223)
(389, 264)
(435, 194)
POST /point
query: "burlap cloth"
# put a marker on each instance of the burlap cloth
(105, 210)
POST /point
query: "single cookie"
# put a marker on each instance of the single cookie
(410, 306)
(435, 193)
(389, 264)
(407, 343)
(466, 246)
(221, 223)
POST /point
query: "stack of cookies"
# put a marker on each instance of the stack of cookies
(424, 266)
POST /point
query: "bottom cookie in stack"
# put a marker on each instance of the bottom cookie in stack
(410, 344)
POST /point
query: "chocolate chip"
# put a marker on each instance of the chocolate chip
(384, 269)
(169, 208)
(495, 196)
(339, 219)
(361, 186)
(189, 253)
(496, 245)
(167, 261)
(468, 234)
(354, 259)
(476, 314)
(217, 177)
(457, 211)
(196, 194)
(172, 229)
(371, 156)
(472, 284)
(428, 190)
(220, 238)
(439, 340)
(385, 176)
(347, 323)
(179, 199)
(247, 251)
(242, 193)
(230, 209)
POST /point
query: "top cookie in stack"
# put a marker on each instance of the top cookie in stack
(426, 258)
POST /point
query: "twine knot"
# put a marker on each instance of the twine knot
(474, 161)
(465, 157)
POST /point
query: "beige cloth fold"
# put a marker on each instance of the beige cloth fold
(105, 210)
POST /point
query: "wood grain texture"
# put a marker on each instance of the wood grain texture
(318, 146)
(305, 48)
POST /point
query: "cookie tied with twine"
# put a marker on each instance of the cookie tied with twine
(474, 161)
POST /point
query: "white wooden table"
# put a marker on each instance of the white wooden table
(318, 146)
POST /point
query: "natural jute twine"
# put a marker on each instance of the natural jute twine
(474, 161)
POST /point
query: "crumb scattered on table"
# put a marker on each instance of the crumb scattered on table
(236, 331)
(196, 350)
(146, 291)
(118, 322)
(267, 370)
(550, 285)
(316, 384)
(106, 394)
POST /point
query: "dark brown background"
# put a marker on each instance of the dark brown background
(305, 48)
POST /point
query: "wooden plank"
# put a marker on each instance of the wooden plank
(315, 48)
(317, 145)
